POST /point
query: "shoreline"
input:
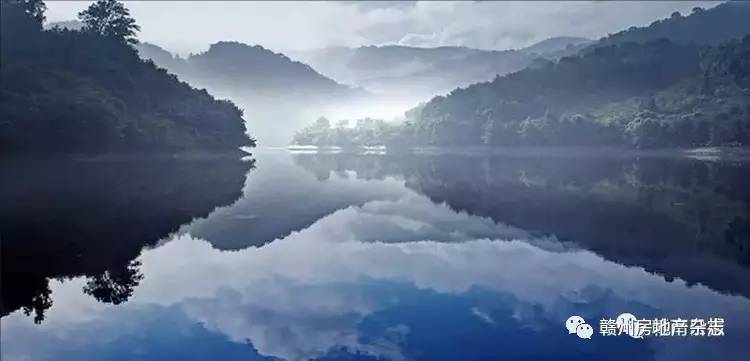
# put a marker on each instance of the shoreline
(700, 153)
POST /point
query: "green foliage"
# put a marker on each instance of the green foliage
(706, 27)
(658, 94)
(366, 132)
(711, 108)
(657, 86)
(34, 9)
(82, 92)
(110, 19)
(554, 103)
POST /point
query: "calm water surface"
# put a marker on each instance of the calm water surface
(364, 257)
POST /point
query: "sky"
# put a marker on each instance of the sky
(190, 26)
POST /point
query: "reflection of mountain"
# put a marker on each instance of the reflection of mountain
(428, 71)
(396, 277)
(683, 219)
(63, 218)
(280, 199)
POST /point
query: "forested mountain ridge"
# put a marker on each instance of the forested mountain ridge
(660, 93)
(702, 26)
(486, 113)
(243, 69)
(557, 45)
(428, 71)
(81, 91)
(614, 92)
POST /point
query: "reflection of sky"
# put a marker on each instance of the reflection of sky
(396, 277)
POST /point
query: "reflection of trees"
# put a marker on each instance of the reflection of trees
(114, 286)
(679, 218)
(738, 238)
(63, 218)
(39, 303)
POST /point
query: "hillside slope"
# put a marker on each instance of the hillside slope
(70, 91)
(394, 69)
(244, 70)
(612, 92)
(661, 93)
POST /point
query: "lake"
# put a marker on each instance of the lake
(439, 256)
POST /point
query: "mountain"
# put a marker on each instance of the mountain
(557, 47)
(669, 92)
(158, 56)
(706, 27)
(242, 70)
(72, 91)
(279, 94)
(509, 109)
(425, 72)
(65, 24)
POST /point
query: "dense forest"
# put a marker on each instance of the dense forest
(88, 91)
(670, 91)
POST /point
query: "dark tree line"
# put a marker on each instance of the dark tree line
(110, 19)
(88, 91)
(63, 218)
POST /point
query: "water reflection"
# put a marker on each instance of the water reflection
(676, 217)
(282, 198)
(63, 218)
(418, 259)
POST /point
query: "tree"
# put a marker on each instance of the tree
(111, 19)
(115, 286)
(342, 123)
(322, 123)
(34, 9)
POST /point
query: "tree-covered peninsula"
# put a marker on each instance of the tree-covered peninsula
(88, 91)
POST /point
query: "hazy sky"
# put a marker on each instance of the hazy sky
(190, 26)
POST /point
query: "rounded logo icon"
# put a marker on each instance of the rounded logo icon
(573, 322)
(584, 331)
(627, 323)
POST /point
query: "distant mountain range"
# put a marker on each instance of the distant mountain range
(428, 71)
(238, 70)
(277, 93)
(241, 69)
(65, 24)
(683, 81)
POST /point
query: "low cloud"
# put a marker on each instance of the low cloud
(187, 26)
